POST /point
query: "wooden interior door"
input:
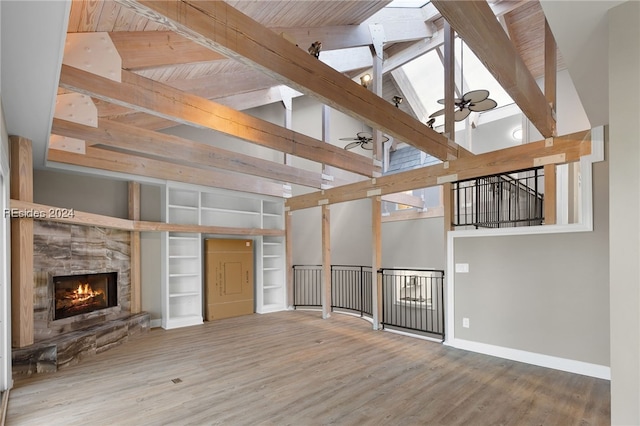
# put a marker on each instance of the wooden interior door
(229, 281)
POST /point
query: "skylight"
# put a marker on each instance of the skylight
(426, 74)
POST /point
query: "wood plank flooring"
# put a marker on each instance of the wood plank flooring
(294, 368)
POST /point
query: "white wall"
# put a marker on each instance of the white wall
(5, 263)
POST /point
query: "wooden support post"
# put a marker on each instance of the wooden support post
(288, 240)
(376, 260)
(447, 199)
(449, 83)
(326, 262)
(550, 70)
(377, 35)
(136, 270)
(550, 211)
(22, 331)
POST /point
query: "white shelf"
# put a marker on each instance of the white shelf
(183, 275)
(183, 257)
(185, 294)
(185, 238)
(272, 214)
(271, 287)
(221, 210)
(271, 244)
(270, 256)
(174, 206)
(270, 269)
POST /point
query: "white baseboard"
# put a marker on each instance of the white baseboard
(155, 323)
(562, 364)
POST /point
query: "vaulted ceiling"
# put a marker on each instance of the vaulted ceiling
(202, 64)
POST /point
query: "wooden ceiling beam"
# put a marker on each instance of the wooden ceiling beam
(103, 159)
(147, 49)
(476, 24)
(221, 27)
(158, 99)
(174, 149)
(564, 149)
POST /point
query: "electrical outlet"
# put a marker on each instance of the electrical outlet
(465, 322)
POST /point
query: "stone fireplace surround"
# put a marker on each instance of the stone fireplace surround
(64, 249)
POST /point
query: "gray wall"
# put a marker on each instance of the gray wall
(350, 234)
(414, 244)
(410, 244)
(151, 251)
(81, 192)
(547, 294)
(624, 78)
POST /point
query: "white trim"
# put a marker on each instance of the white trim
(155, 323)
(548, 361)
(415, 336)
(6, 378)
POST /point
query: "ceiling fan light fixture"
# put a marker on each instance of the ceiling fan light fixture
(397, 100)
(365, 80)
(517, 134)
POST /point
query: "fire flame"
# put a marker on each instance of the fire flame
(85, 292)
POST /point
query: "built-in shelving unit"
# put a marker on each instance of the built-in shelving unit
(182, 301)
(272, 294)
(182, 252)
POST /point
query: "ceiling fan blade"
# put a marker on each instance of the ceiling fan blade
(485, 105)
(352, 145)
(367, 145)
(455, 101)
(349, 139)
(384, 139)
(437, 113)
(476, 96)
(461, 114)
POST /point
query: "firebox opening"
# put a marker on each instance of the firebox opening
(81, 294)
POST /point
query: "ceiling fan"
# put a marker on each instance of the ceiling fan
(475, 100)
(362, 139)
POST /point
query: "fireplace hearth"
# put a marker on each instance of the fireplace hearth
(81, 294)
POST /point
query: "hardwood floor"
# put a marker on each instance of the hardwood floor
(293, 368)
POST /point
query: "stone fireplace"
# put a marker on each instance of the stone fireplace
(82, 296)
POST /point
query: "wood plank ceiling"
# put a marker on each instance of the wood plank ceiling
(165, 74)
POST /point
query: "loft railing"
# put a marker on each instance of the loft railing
(350, 287)
(412, 299)
(500, 201)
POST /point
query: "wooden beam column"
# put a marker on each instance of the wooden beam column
(326, 262)
(22, 331)
(550, 75)
(447, 202)
(449, 83)
(550, 69)
(136, 270)
(550, 185)
(376, 260)
(377, 37)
